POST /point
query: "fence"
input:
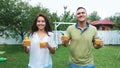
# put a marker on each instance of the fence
(109, 37)
(8, 41)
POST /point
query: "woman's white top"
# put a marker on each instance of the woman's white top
(40, 57)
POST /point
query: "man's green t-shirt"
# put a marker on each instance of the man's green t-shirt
(81, 45)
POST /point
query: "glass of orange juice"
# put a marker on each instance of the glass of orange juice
(43, 44)
(64, 37)
(26, 42)
(98, 41)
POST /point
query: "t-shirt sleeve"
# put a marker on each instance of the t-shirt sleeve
(95, 34)
(68, 32)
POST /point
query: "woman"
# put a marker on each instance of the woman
(40, 32)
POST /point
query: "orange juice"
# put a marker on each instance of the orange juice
(98, 41)
(43, 44)
(64, 37)
(26, 42)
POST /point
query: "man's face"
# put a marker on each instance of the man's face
(81, 15)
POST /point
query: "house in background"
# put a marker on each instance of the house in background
(103, 24)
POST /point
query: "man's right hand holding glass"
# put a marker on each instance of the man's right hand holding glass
(65, 40)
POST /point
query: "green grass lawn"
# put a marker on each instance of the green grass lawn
(104, 58)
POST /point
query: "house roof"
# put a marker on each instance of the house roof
(102, 22)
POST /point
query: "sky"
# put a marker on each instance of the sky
(104, 8)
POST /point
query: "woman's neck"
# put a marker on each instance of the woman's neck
(41, 31)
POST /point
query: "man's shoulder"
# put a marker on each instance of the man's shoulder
(71, 26)
(91, 26)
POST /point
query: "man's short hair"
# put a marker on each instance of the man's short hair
(81, 8)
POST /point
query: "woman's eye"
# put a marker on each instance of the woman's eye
(40, 21)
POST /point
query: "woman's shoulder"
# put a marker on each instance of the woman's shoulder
(50, 33)
(32, 35)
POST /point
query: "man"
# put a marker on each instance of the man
(82, 37)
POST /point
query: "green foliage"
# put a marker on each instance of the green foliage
(21, 21)
(6, 15)
(53, 18)
(66, 17)
(16, 18)
(116, 20)
(93, 16)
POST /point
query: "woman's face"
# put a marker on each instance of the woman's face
(41, 23)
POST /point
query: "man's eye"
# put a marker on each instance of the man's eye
(78, 13)
(83, 12)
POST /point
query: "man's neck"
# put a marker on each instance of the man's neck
(82, 24)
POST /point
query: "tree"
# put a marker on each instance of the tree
(22, 21)
(93, 16)
(116, 20)
(66, 17)
(53, 18)
(7, 14)
(16, 18)
(25, 19)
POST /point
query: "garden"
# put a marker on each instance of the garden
(106, 57)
